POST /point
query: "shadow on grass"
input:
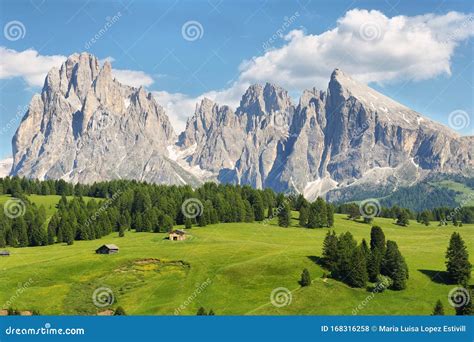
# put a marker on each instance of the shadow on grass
(317, 260)
(439, 277)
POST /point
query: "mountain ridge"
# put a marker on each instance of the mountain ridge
(85, 126)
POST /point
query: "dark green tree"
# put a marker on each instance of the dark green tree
(303, 218)
(394, 266)
(330, 256)
(357, 277)
(284, 215)
(457, 263)
(438, 309)
(119, 311)
(305, 278)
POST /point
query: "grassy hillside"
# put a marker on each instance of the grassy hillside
(244, 263)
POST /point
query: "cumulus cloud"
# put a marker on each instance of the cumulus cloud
(28, 64)
(133, 78)
(369, 46)
(33, 68)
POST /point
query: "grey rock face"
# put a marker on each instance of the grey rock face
(348, 134)
(86, 126)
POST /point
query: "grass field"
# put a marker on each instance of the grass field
(234, 266)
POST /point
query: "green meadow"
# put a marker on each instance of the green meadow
(229, 268)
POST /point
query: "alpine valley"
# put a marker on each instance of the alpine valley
(347, 142)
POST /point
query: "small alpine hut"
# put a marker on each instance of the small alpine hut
(177, 235)
(4, 253)
(107, 249)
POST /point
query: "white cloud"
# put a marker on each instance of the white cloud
(180, 107)
(33, 68)
(28, 64)
(369, 46)
(132, 78)
(365, 44)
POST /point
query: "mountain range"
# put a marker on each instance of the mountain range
(85, 126)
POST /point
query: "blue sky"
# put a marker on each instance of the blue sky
(420, 53)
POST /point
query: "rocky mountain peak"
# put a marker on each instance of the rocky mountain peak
(260, 100)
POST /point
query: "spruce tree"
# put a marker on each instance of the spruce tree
(357, 276)
(303, 218)
(402, 218)
(438, 309)
(119, 311)
(330, 215)
(394, 266)
(284, 215)
(305, 278)
(377, 251)
(457, 263)
(188, 223)
(201, 312)
(345, 250)
(330, 256)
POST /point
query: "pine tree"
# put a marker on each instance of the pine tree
(345, 250)
(457, 263)
(330, 214)
(377, 251)
(303, 218)
(270, 211)
(357, 277)
(119, 311)
(188, 223)
(121, 231)
(402, 218)
(394, 266)
(284, 215)
(330, 250)
(305, 278)
(258, 207)
(211, 313)
(438, 309)
(201, 312)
